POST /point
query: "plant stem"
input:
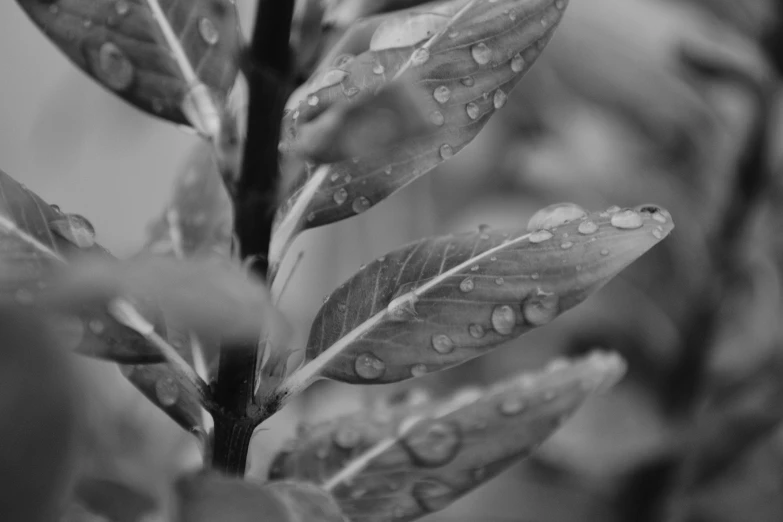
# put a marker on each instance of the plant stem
(268, 70)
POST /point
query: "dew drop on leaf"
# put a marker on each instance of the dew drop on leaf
(74, 228)
(565, 245)
(208, 31)
(420, 56)
(555, 215)
(442, 94)
(340, 195)
(468, 81)
(347, 437)
(369, 367)
(476, 331)
(312, 100)
(435, 444)
(605, 252)
(626, 219)
(613, 209)
(657, 233)
(419, 370)
(446, 151)
(442, 343)
(437, 118)
(121, 7)
(433, 495)
(587, 227)
(466, 285)
(517, 63)
(378, 68)
(333, 77)
(473, 110)
(512, 405)
(166, 391)
(114, 68)
(481, 53)
(503, 319)
(360, 204)
(541, 309)
(539, 236)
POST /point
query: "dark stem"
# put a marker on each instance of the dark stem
(266, 65)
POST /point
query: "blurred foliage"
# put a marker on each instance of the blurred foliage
(611, 112)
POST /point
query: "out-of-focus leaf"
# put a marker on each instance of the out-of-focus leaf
(116, 501)
(344, 12)
(37, 239)
(349, 130)
(198, 220)
(408, 462)
(172, 58)
(441, 301)
(468, 54)
(37, 434)
(212, 497)
(213, 297)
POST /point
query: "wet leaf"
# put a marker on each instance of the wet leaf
(467, 54)
(209, 497)
(117, 501)
(406, 462)
(37, 241)
(351, 130)
(198, 220)
(441, 301)
(171, 58)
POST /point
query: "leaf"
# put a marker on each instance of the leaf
(469, 55)
(37, 240)
(209, 497)
(175, 59)
(441, 301)
(349, 130)
(38, 435)
(198, 220)
(406, 462)
(117, 501)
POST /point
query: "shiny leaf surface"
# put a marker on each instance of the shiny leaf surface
(468, 55)
(441, 301)
(405, 462)
(171, 58)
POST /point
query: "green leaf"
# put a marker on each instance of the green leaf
(467, 54)
(209, 497)
(175, 59)
(198, 221)
(405, 462)
(441, 301)
(37, 240)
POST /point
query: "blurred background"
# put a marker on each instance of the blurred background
(673, 102)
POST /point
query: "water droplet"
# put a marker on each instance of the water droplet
(347, 437)
(540, 309)
(503, 319)
(476, 331)
(420, 56)
(419, 370)
(369, 367)
(626, 219)
(434, 444)
(442, 343)
(500, 98)
(121, 7)
(587, 227)
(657, 233)
(555, 215)
(74, 228)
(360, 204)
(332, 77)
(565, 245)
(167, 391)
(446, 151)
(474, 268)
(539, 236)
(512, 405)
(499, 281)
(311, 217)
(442, 94)
(378, 68)
(433, 495)
(312, 100)
(114, 68)
(481, 53)
(468, 81)
(436, 117)
(613, 209)
(517, 63)
(473, 110)
(340, 195)
(466, 285)
(96, 327)
(605, 252)
(208, 31)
